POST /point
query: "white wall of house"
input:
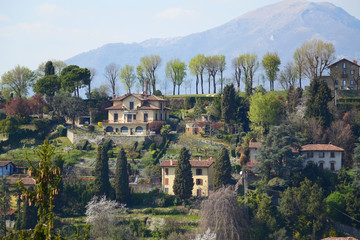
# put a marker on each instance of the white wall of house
(253, 153)
(324, 158)
(7, 170)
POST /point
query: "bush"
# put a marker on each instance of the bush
(61, 130)
(110, 153)
(156, 126)
(91, 128)
(83, 145)
(2, 114)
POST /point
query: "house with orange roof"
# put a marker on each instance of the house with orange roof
(132, 113)
(326, 156)
(202, 171)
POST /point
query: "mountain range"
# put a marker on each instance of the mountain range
(280, 27)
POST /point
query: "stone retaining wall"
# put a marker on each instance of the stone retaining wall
(97, 139)
(143, 188)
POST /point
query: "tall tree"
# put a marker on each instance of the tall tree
(318, 55)
(111, 74)
(249, 65)
(228, 104)
(265, 110)
(276, 157)
(57, 64)
(49, 68)
(222, 175)
(102, 184)
(122, 189)
(141, 77)
(183, 183)
(127, 77)
(303, 209)
(176, 71)
(4, 203)
(222, 67)
(356, 166)
(196, 66)
(317, 103)
(28, 216)
(47, 85)
(212, 67)
(271, 63)
(18, 80)
(236, 62)
(150, 64)
(288, 76)
(73, 78)
(299, 63)
(91, 78)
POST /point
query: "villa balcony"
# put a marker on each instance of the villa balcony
(122, 122)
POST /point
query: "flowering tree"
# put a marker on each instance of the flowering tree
(101, 215)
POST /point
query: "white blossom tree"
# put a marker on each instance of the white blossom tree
(101, 215)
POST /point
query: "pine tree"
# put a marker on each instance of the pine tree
(122, 190)
(183, 183)
(222, 175)
(317, 104)
(102, 184)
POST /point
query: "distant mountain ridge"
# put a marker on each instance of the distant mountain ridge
(280, 27)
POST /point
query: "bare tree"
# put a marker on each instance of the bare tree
(92, 74)
(150, 64)
(101, 215)
(236, 62)
(111, 73)
(299, 62)
(212, 67)
(288, 76)
(222, 215)
(222, 66)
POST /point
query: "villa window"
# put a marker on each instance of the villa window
(336, 82)
(199, 182)
(344, 83)
(166, 181)
(321, 165)
(156, 117)
(129, 118)
(134, 116)
(131, 105)
(332, 166)
(351, 72)
(344, 65)
(145, 117)
(310, 155)
(344, 72)
(198, 171)
(116, 117)
(321, 154)
(166, 171)
(352, 82)
(332, 154)
(166, 190)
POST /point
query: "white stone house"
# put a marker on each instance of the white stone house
(326, 156)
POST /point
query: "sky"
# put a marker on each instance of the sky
(36, 31)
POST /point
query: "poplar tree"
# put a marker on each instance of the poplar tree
(222, 176)
(183, 183)
(122, 190)
(102, 184)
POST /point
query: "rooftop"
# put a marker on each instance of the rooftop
(321, 147)
(193, 163)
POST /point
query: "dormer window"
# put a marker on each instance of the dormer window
(344, 65)
(131, 105)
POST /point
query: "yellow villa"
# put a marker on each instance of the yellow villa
(203, 175)
(132, 113)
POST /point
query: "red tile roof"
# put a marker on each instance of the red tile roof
(321, 147)
(193, 163)
(255, 144)
(4, 163)
(25, 180)
(115, 107)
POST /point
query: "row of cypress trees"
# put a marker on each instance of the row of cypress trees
(102, 184)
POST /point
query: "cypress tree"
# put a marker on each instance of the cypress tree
(222, 176)
(183, 183)
(317, 104)
(49, 68)
(102, 184)
(228, 103)
(122, 189)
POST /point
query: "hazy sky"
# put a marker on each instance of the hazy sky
(34, 31)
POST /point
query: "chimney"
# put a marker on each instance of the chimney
(171, 162)
(355, 61)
